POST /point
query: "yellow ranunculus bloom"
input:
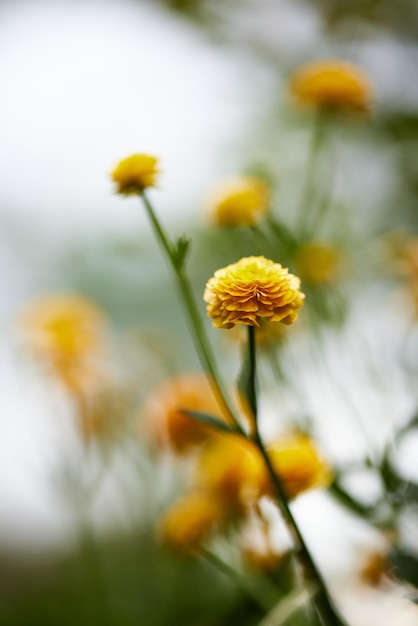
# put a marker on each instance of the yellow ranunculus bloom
(241, 201)
(298, 464)
(332, 85)
(66, 331)
(318, 263)
(165, 421)
(251, 290)
(191, 521)
(135, 173)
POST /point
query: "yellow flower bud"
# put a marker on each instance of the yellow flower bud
(332, 85)
(135, 173)
(240, 202)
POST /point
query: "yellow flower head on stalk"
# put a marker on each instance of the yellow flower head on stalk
(66, 332)
(168, 425)
(191, 522)
(298, 465)
(251, 290)
(135, 173)
(231, 467)
(332, 86)
(318, 263)
(242, 201)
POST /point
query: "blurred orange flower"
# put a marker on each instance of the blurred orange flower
(298, 465)
(65, 331)
(166, 422)
(242, 201)
(332, 85)
(191, 521)
(318, 263)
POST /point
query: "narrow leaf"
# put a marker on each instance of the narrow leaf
(288, 605)
(210, 420)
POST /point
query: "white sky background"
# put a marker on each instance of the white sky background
(83, 85)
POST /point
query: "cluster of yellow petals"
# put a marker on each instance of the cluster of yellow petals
(242, 201)
(163, 412)
(332, 85)
(318, 263)
(135, 173)
(66, 331)
(189, 523)
(253, 289)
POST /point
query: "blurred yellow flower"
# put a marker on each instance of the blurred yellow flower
(135, 173)
(263, 559)
(251, 290)
(66, 331)
(298, 464)
(318, 263)
(231, 467)
(332, 85)
(241, 201)
(167, 424)
(191, 522)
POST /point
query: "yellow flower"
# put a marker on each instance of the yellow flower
(191, 522)
(318, 263)
(65, 331)
(135, 173)
(231, 467)
(264, 559)
(166, 422)
(240, 202)
(332, 85)
(251, 290)
(298, 464)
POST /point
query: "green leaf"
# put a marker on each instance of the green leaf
(412, 424)
(405, 565)
(288, 605)
(180, 250)
(210, 420)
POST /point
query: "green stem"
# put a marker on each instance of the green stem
(213, 559)
(199, 335)
(317, 139)
(322, 602)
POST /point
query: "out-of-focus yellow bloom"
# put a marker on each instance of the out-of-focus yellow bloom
(374, 567)
(191, 521)
(318, 263)
(231, 467)
(241, 201)
(251, 290)
(167, 424)
(332, 85)
(298, 464)
(262, 559)
(66, 332)
(135, 173)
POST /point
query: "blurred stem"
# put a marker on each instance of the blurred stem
(317, 141)
(263, 602)
(322, 601)
(200, 339)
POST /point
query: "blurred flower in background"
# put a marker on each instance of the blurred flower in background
(117, 447)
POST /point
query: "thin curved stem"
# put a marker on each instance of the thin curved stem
(322, 602)
(200, 339)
